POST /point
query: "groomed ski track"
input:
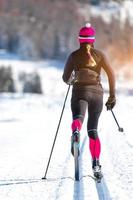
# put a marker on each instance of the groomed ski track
(25, 150)
(64, 185)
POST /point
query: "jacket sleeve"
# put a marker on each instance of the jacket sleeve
(68, 69)
(110, 74)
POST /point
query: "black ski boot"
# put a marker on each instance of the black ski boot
(96, 167)
(75, 138)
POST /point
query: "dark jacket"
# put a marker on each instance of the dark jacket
(87, 73)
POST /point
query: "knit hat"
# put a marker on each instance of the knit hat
(87, 34)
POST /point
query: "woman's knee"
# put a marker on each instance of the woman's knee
(93, 134)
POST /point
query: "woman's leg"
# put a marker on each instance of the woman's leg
(94, 144)
(78, 113)
(94, 111)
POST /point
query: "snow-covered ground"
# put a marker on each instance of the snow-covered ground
(28, 123)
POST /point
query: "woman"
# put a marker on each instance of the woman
(86, 64)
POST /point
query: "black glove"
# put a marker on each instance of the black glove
(110, 102)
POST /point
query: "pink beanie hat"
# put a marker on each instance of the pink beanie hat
(87, 34)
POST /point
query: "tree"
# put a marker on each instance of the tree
(6, 79)
(31, 83)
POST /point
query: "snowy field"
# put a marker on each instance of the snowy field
(28, 123)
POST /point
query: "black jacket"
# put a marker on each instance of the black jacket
(87, 69)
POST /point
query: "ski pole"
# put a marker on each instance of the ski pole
(119, 128)
(56, 132)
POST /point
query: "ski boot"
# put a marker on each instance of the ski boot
(75, 138)
(96, 167)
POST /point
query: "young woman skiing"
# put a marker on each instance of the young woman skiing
(85, 64)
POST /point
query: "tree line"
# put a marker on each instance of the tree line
(49, 29)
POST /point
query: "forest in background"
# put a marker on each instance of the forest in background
(39, 29)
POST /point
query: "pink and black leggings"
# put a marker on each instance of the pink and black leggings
(82, 101)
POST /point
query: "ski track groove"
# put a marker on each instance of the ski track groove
(60, 184)
(121, 179)
(79, 189)
(77, 185)
(102, 190)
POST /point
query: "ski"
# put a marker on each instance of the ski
(75, 140)
(76, 160)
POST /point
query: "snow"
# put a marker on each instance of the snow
(28, 123)
(113, 9)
